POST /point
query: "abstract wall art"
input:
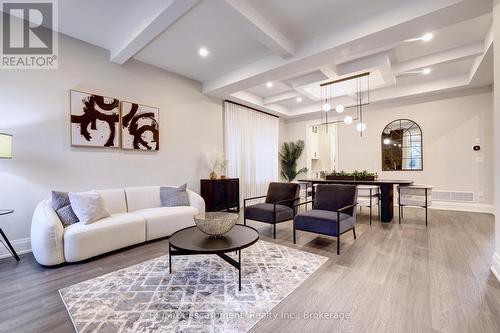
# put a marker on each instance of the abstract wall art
(140, 126)
(95, 120)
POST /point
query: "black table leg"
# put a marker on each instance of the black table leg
(9, 246)
(239, 269)
(170, 258)
(387, 202)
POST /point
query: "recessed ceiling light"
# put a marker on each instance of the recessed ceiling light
(427, 37)
(203, 52)
(269, 85)
(340, 108)
(424, 38)
(327, 107)
(348, 120)
(298, 99)
(387, 141)
(426, 71)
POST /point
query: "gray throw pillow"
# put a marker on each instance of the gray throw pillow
(88, 206)
(62, 206)
(174, 196)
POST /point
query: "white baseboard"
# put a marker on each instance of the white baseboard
(465, 207)
(495, 265)
(21, 246)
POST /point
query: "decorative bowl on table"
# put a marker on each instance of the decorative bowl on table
(215, 223)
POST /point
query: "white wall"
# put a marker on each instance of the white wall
(35, 110)
(495, 266)
(450, 127)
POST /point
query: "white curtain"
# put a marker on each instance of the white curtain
(251, 148)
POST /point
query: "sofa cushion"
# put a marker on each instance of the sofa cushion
(88, 206)
(115, 200)
(174, 196)
(164, 221)
(263, 212)
(62, 207)
(82, 241)
(323, 222)
(142, 197)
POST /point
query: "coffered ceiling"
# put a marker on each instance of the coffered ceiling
(295, 45)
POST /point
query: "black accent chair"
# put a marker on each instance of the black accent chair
(333, 213)
(279, 206)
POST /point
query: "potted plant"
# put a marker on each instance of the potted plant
(364, 175)
(339, 175)
(215, 162)
(289, 154)
(355, 175)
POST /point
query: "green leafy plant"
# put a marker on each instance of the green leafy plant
(356, 174)
(289, 154)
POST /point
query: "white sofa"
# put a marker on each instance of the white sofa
(136, 217)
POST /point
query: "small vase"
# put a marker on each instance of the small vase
(212, 175)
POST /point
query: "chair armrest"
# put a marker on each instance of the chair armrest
(47, 235)
(347, 207)
(303, 203)
(253, 198)
(196, 201)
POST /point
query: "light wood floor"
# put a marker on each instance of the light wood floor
(393, 278)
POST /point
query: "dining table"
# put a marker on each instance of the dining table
(386, 191)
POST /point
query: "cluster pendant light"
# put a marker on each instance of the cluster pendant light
(331, 93)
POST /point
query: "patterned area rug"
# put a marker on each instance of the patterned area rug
(201, 294)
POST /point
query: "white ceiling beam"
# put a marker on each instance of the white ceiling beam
(280, 97)
(380, 61)
(452, 55)
(329, 71)
(262, 29)
(379, 33)
(254, 101)
(172, 11)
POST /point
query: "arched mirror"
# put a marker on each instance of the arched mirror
(402, 148)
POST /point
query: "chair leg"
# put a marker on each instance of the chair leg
(399, 214)
(354, 232)
(426, 216)
(294, 236)
(370, 215)
(244, 221)
(338, 245)
(274, 231)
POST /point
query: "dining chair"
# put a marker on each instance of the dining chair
(416, 196)
(369, 196)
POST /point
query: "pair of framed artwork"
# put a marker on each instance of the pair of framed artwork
(100, 121)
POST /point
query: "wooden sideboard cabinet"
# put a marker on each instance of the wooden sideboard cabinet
(221, 194)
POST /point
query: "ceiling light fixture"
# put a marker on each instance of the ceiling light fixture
(203, 52)
(269, 84)
(357, 86)
(426, 71)
(361, 127)
(387, 141)
(298, 99)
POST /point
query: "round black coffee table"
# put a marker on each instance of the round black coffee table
(191, 241)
